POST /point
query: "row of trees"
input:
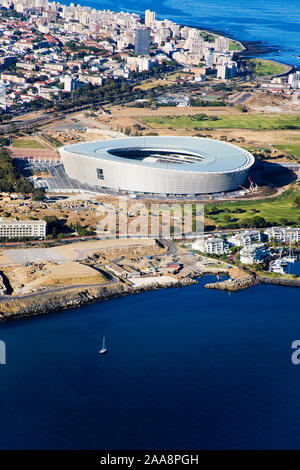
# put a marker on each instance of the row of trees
(111, 92)
(58, 228)
(11, 179)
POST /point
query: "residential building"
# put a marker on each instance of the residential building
(149, 17)
(227, 70)
(222, 44)
(253, 254)
(211, 245)
(142, 41)
(245, 238)
(70, 83)
(289, 234)
(23, 228)
(143, 64)
(294, 80)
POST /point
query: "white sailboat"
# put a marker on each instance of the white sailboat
(290, 258)
(103, 350)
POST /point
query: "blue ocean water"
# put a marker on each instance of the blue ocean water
(276, 22)
(185, 368)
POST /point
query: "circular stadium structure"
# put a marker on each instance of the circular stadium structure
(158, 165)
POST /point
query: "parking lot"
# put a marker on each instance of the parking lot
(36, 255)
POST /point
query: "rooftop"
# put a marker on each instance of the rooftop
(177, 153)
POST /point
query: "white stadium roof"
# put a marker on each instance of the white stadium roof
(205, 155)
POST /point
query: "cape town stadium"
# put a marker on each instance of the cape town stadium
(158, 165)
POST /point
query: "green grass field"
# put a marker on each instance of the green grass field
(263, 68)
(272, 210)
(234, 46)
(238, 121)
(293, 149)
(26, 143)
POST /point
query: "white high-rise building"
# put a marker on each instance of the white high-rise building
(195, 42)
(3, 102)
(227, 70)
(70, 83)
(143, 64)
(222, 44)
(294, 80)
(149, 17)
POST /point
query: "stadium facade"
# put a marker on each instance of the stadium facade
(158, 165)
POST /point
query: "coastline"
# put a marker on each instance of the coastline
(251, 49)
(44, 303)
(254, 48)
(48, 303)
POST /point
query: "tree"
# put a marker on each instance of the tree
(227, 217)
(38, 194)
(297, 201)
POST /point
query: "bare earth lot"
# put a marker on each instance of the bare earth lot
(27, 279)
(71, 252)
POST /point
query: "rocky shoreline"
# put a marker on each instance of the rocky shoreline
(233, 285)
(74, 298)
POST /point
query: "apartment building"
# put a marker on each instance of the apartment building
(212, 245)
(288, 234)
(23, 228)
(246, 238)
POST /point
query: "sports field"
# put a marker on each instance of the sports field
(237, 121)
(28, 143)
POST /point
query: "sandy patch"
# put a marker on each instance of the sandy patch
(150, 281)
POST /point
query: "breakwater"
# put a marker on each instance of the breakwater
(233, 285)
(279, 281)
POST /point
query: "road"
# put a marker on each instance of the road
(172, 249)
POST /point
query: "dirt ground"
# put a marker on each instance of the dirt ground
(27, 279)
(73, 251)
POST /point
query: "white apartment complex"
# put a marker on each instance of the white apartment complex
(212, 245)
(246, 238)
(23, 228)
(282, 234)
(252, 254)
